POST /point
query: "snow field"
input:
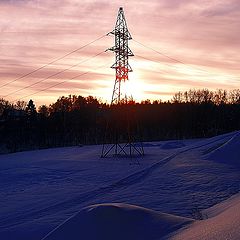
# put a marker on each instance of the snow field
(41, 189)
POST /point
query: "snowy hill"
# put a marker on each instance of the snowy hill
(121, 221)
(41, 189)
(228, 152)
(117, 221)
(223, 224)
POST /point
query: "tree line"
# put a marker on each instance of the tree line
(77, 120)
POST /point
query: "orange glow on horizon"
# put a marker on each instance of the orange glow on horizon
(202, 37)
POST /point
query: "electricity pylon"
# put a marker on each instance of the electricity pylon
(122, 126)
(122, 52)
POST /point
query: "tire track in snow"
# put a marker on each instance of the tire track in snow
(84, 197)
(222, 144)
(80, 199)
(143, 174)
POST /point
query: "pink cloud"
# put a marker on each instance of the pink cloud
(205, 36)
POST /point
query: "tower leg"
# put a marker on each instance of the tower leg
(123, 140)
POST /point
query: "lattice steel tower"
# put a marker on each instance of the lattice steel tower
(121, 127)
(122, 52)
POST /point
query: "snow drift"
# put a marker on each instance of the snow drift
(117, 221)
(228, 153)
(223, 223)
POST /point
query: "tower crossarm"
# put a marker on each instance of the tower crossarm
(122, 52)
(121, 129)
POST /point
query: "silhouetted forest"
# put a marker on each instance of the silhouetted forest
(77, 120)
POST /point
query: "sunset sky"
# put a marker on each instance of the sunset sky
(204, 35)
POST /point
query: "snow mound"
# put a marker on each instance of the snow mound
(117, 221)
(224, 223)
(228, 153)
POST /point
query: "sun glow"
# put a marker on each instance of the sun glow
(134, 87)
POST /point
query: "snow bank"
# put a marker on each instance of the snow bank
(228, 153)
(225, 223)
(117, 221)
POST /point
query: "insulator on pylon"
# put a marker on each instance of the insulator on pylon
(121, 127)
(122, 52)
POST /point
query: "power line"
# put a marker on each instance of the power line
(163, 54)
(44, 79)
(174, 59)
(148, 59)
(76, 50)
(47, 88)
(161, 71)
(156, 71)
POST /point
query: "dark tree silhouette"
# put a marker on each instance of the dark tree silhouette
(75, 120)
(31, 109)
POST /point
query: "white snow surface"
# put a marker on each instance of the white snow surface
(224, 223)
(228, 152)
(41, 189)
(117, 221)
(130, 222)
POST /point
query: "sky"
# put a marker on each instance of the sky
(204, 36)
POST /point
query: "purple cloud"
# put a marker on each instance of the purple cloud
(205, 36)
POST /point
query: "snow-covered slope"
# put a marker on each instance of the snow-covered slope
(228, 153)
(117, 221)
(223, 223)
(41, 189)
(122, 221)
